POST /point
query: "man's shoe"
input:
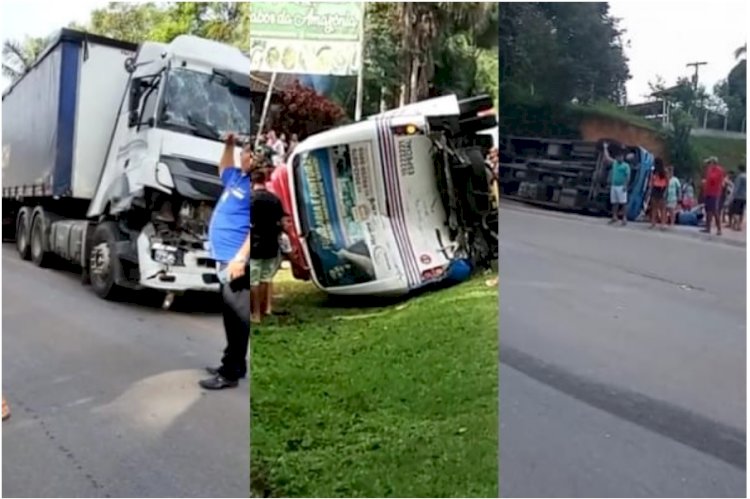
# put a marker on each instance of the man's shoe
(218, 382)
(214, 371)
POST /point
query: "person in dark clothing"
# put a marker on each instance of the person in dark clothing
(265, 255)
(659, 183)
(229, 237)
(737, 208)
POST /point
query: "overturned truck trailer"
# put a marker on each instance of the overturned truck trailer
(569, 174)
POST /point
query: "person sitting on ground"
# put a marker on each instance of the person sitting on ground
(737, 208)
(688, 195)
(713, 183)
(264, 243)
(619, 181)
(673, 195)
(659, 181)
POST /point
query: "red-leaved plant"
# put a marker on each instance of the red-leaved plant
(305, 112)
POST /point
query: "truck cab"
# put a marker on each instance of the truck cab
(160, 178)
(387, 205)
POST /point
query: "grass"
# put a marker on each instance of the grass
(612, 111)
(398, 399)
(731, 152)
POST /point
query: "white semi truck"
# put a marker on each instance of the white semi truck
(110, 155)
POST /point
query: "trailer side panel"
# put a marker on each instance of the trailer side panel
(31, 139)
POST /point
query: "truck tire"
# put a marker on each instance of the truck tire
(41, 256)
(104, 265)
(23, 233)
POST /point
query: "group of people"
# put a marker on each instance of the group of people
(248, 234)
(723, 198)
(278, 146)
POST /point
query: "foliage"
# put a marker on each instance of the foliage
(733, 91)
(731, 152)
(305, 112)
(18, 57)
(358, 402)
(419, 50)
(608, 110)
(561, 52)
(681, 151)
(135, 22)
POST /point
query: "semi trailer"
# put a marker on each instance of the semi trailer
(110, 153)
(570, 174)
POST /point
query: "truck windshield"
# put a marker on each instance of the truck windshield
(203, 104)
(333, 215)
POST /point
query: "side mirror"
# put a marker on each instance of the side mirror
(130, 65)
(134, 101)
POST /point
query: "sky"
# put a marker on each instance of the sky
(21, 18)
(665, 35)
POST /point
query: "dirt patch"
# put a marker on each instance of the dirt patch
(596, 128)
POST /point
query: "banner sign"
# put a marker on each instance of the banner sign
(306, 37)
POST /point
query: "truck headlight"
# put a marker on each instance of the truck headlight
(164, 176)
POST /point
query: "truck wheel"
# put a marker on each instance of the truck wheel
(39, 254)
(22, 234)
(104, 265)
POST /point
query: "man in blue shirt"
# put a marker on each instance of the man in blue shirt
(229, 237)
(619, 180)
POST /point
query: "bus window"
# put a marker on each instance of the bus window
(329, 210)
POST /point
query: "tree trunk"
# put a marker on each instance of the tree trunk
(414, 79)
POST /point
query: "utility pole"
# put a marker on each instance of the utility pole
(696, 65)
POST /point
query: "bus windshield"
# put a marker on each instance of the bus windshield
(333, 204)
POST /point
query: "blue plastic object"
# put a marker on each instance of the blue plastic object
(458, 271)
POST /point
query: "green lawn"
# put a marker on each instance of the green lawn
(381, 401)
(731, 152)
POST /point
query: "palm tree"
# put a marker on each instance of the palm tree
(422, 26)
(19, 57)
(740, 52)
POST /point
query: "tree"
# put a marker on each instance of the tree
(453, 53)
(740, 52)
(733, 91)
(305, 112)
(19, 56)
(135, 22)
(423, 28)
(558, 52)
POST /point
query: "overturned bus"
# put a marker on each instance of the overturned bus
(397, 202)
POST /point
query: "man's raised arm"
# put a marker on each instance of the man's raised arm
(227, 157)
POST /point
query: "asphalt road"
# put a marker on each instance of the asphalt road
(622, 361)
(104, 397)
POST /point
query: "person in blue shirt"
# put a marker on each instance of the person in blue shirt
(619, 180)
(229, 238)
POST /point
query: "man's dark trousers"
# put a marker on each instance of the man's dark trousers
(236, 313)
